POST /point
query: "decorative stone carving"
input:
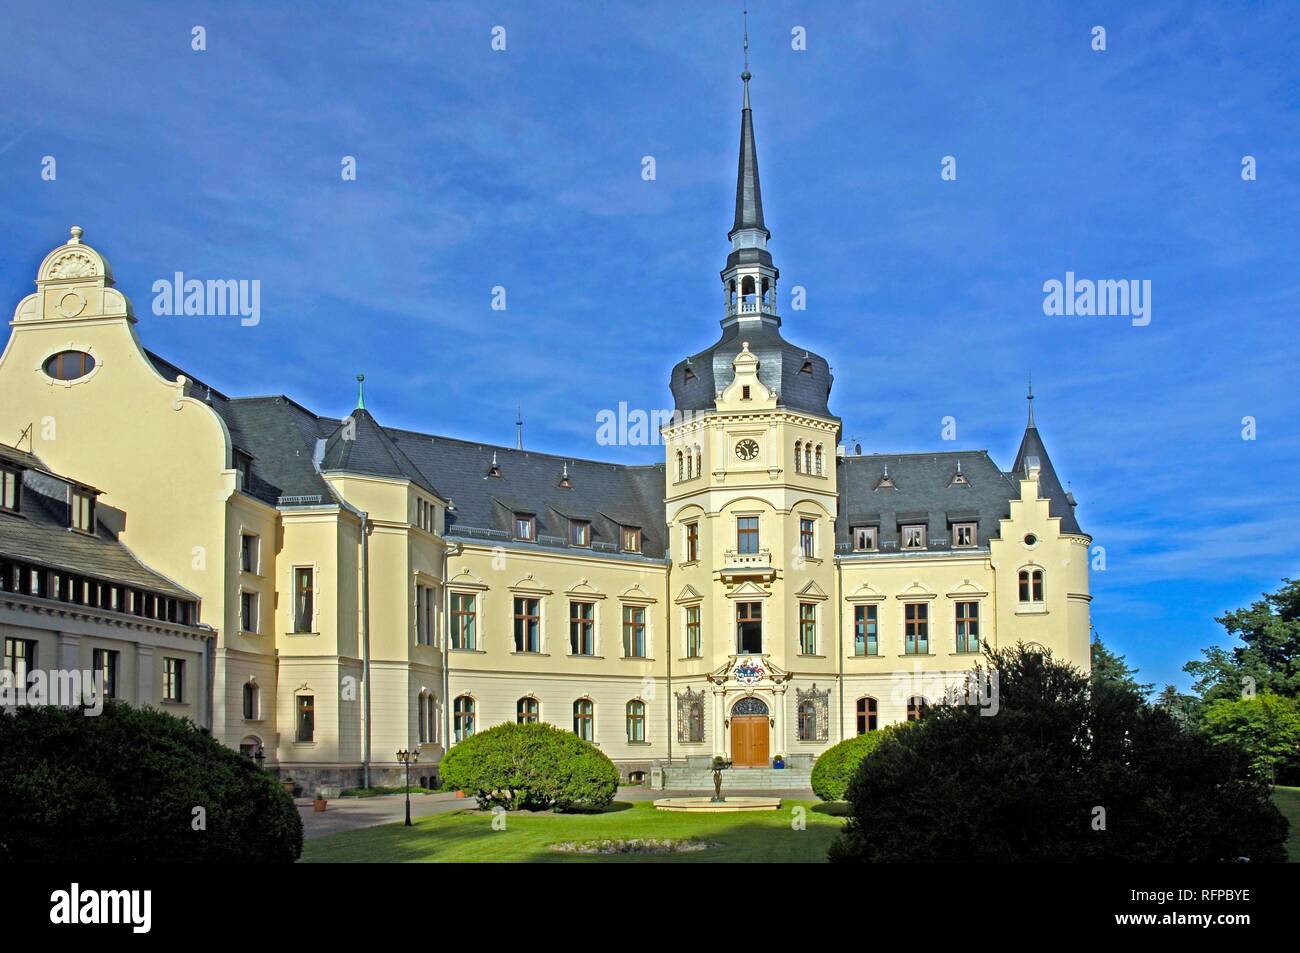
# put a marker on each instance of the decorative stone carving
(73, 264)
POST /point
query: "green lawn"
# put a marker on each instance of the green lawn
(461, 836)
(1288, 802)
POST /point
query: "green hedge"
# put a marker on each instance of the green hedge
(124, 785)
(530, 767)
(836, 765)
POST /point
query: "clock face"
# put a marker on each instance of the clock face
(747, 450)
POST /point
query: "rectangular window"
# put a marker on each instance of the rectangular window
(692, 542)
(174, 680)
(914, 536)
(865, 641)
(916, 628)
(304, 599)
(525, 526)
(248, 612)
(864, 539)
(964, 535)
(105, 666)
(20, 660)
(248, 551)
(582, 628)
(749, 628)
(807, 537)
(631, 539)
(807, 628)
(968, 627)
(462, 621)
(747, 535)
(83, 510)
(579, 533)
(425, 514)
(243, 471)
(634, 632)
(528, 625)
(426, 601)
(306, 719)
(694, 642)
(10, 480)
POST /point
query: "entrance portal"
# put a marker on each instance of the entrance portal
(749, 733)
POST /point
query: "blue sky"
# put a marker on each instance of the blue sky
(522, 169)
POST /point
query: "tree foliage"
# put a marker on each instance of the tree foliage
(1109, 668)
(134, 785)
(1269, 654)
(530, 767)
(1064, 771)
(1266, 727)
(836, 765)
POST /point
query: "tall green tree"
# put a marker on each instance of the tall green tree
(1266, 727)
(1268, 658)
(1112, 670)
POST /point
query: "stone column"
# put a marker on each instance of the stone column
(719, 715)
(778, 713)
(144, 687)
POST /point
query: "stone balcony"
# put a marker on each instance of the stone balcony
(736, 564)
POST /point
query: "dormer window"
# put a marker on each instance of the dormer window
(579, 533)
(864, 539)
(525, 526)
(243, 470)
(913, 536)
(886, 482)
(688, 375)
(965, 535)
(11, 482)
(744, 392)
(631, 539)
(494, 470)
(82, 505)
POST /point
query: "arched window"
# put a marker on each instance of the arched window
(680, 469)
(431, 717)
(798, 456)
(250, 701)
(807, 458)
(636, 720)
(527, 711)
(463, 717)
(916, 706)
(818, 471)
(866, 714)
(699, 462)
(807, 721)
(1031, 585)
(424, 718)
(584, 718)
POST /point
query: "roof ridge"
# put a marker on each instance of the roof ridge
(502, 447)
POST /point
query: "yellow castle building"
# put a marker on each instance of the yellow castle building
(365, 589)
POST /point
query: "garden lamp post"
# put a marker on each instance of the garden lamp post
(408, 758)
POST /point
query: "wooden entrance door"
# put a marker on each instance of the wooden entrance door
(749, 741)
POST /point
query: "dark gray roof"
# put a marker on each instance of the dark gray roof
(365, 447)
(749, 196)
(1060, 503)
(801, 379)
(39, 533)
(608, 495)
(923, 491)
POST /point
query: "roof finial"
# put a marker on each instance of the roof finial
(76, 235)
(519, 427)
(361, 392)
(745, 76)
(1030, 398)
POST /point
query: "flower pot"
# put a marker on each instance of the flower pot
(779, 765)
(319, 804)
(288, 787)
(460, 794)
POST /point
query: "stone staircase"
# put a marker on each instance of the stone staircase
(696, 775)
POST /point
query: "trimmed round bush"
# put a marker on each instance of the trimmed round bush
(531, 767)
(123, 786)
(836, 765)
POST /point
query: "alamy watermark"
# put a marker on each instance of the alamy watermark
(1084, 297)
(215, 297)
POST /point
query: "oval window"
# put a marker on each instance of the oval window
(69, 365)
(1031, 540)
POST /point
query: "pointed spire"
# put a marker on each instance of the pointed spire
(1030, 399)
(361, 392)
(519, 427)
(749, 197)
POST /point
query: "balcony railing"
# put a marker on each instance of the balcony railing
(752, 304)
(735, 563)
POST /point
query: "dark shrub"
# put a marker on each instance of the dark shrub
(123, 786)
(836, 765)
(532, 767)
(1029, 783)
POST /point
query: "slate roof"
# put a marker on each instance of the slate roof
(362, 446)
(780, 368)
(39, 533)
(1060, 503)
